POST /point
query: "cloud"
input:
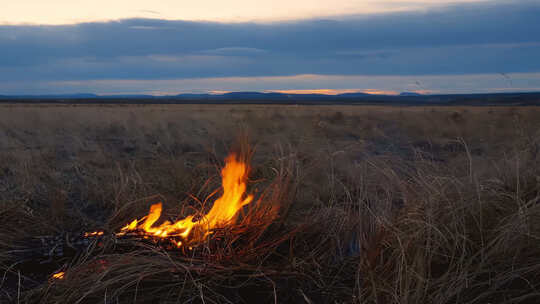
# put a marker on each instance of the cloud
(235, 51)
(475, 38)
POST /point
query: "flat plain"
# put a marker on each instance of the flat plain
(376, 204)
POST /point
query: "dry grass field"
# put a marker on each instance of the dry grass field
(376, 204)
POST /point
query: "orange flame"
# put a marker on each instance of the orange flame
(224, 211)
(95, 233)
(58, 275)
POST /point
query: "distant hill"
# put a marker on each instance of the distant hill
(410, 94)
(52, 96)
(405, 98)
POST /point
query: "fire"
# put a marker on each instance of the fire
(58, 275)
(224, 211)
(95, 233)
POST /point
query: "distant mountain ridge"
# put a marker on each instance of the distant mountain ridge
(53, 96)
(409, 94)
(242, 95)
(405, 98)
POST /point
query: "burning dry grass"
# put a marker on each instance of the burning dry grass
(376, 205)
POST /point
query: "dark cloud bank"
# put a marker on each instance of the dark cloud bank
(495, 37)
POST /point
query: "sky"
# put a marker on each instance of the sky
(170, 47)
(77, 11)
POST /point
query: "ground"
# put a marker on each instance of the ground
(378, 204)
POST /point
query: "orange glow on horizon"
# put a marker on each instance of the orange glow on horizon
(335, 91)
(380, 92)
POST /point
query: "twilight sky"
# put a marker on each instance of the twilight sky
(169, 47)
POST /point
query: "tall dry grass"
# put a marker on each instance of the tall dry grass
(378, 205)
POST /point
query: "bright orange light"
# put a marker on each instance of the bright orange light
(317, 91)
(95, 233)
(379, 92)
(336, 91)
(224, 211)
(58, 275)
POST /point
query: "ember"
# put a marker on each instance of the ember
(58, 275)
(95, 233)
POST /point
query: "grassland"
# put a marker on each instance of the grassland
(378, 204)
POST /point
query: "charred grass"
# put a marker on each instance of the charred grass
(377, 204)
